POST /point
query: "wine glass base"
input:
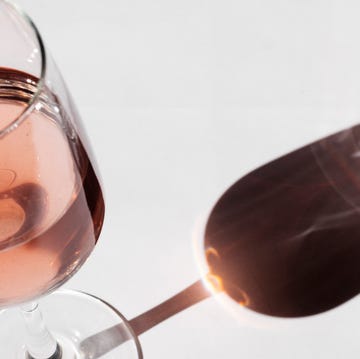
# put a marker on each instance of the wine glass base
(84, 326)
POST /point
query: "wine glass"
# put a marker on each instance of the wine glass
(214, 253)
(51, 206)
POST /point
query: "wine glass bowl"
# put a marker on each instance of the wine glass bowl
(51, 205)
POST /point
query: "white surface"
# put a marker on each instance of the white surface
(181, 98)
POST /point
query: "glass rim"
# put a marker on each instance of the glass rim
(30, 105)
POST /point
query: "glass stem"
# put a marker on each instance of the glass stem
(40, 344)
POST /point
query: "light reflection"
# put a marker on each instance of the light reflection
(215, 282)
(211, 254)
(237, 310)
(32, 56)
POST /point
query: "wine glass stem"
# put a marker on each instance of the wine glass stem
(40, 343)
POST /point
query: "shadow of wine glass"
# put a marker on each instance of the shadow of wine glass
(97, 345)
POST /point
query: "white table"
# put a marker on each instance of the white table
(180, 99)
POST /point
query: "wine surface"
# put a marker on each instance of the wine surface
(51, 205)
(285, 239)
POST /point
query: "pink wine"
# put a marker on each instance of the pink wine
(285, 239)
(51, 204)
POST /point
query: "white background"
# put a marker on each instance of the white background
(180, 99)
